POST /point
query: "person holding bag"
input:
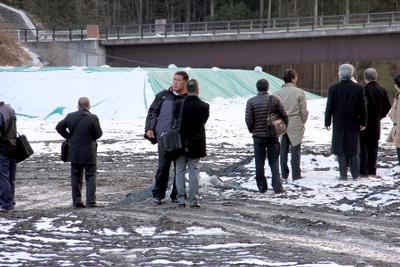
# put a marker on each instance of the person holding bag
(394, 114)
(82, 129)
(194, 115)
(8, 165)
(265, 138)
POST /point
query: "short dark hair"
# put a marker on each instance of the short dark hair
(397, 79)
(289, 75)
(192, 86)
(262, 85)
(183, 74)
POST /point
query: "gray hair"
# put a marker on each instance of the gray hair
(370, 74)
(346, 71)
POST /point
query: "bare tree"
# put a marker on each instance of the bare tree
(212, 9)
(315, 12)
(188, 9)
(261, 9)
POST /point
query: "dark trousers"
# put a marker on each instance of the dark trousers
(267, 148)
(7, 182)
(162, 177)
(76, 182)
(398, 154)
(352, 161)
(368, 155)
(295, 160)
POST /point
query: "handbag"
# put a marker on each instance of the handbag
(171, 141)
(24, 149)
(275, 122)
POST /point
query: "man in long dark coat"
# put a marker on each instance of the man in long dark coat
(378, 105)
(346, 105)
(82, 128)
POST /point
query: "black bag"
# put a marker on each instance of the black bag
(23, 150)
(64, 151)
(275, 122)
(171, 142)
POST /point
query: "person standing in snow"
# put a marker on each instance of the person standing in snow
(294, 100)
(378, 105)
(8, 166)
(195, 114)
(82, 128)
(394, 115)
(159, 121)
(266, 142)
(346, 106)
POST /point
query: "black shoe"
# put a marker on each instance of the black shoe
(79, 206)
(342, 178)
(94, 205)
(157, 201)
(195, 206)
(280, 191)
(297, 178)
(182, 205)
(174, 200)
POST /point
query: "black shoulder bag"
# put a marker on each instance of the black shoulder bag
(171, 142)
(24, 149)
(65, 145)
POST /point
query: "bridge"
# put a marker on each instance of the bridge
(236, 43)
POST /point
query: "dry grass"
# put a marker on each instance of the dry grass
(12, 52)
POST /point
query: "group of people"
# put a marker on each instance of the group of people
(356, 112)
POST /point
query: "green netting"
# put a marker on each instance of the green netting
(225, 83)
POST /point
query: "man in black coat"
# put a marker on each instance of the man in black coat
(159, 120)
(195, 114)
(346, 105)
(378, 105)
(82, 128)
(266, 142)
(8, 144)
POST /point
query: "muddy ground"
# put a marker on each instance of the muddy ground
(238, 230)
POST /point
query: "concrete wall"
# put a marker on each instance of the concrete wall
(70, 53)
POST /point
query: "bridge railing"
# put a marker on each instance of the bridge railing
(292, 24)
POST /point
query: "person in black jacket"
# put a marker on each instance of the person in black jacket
(159, 120)
(266, 142)
(195, 114)
(346, 106)
(8, 144)
(378, 105)
(82, 128)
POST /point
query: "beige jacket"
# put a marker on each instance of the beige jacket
(294, 100)
(394, 115)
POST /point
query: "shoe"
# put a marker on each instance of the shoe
(182, 205)
(174, 200)
(375, 176)
(157, 201)
(262, 191)
(93, 205)
(342, 178)
(79, 206)
(195, 205)
(280, 191)
(297, 178)
(3, 210)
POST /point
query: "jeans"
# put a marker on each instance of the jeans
(8, 169)
(353, 162)
(267, 148)
(194, 170)
(368, 156)
(162, 177)
(76, 183)
(398, 154)
(295, 160)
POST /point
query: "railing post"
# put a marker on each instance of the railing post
(26, 35)
(287, 25)
(81, 33)
(117, 32)
(213, 29)
(70, 34)
(238, 29)
(37, 35)
(190, 30)
(54, 34)
(107, 32)
(165, 30)
(262, 26)
(141, 31)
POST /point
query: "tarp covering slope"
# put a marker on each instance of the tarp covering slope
(115, 93)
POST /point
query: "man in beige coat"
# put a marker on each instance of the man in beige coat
(294, 100)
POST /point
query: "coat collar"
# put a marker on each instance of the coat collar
(262, 93)
(289, 85)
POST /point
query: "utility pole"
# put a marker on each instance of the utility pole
(212, 9)
(140, 15)
(269, 14)
(347, 11)
(188, 8)
(316, 12)
(261, 9)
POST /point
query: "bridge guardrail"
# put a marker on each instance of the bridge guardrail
(291, 24)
